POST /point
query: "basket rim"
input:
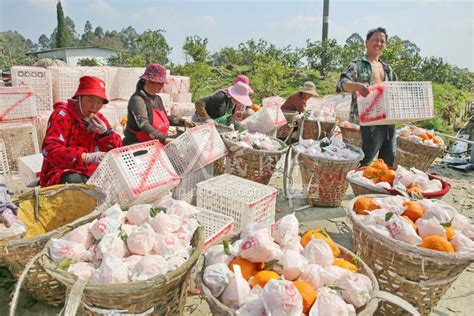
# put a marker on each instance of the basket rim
(433, 148)
(402, 247)
(68, 279)
(14, 243)
(370, 305)
(446, 186)
(231, 143)
(336, 161)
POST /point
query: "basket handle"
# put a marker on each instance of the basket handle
(400, 302)
(74, 297)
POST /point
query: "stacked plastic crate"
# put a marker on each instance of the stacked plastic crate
(179, 88)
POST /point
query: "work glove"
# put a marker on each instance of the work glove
(93, 158)
(97, 125)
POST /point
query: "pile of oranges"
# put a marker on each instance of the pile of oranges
(425, 135)
(413, 211)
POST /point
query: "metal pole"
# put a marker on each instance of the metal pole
(325, 20)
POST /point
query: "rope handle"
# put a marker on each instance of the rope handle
(74, 297)
(400, 302)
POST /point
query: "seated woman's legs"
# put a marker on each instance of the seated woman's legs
(72, 177)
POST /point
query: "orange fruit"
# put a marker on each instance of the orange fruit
(248, 268)
(363, 205)
(262, 277)
(387, 176)
(409, 221)
(449, 233)
(437, 140)
(414, 190)
(424, 136)
(413, 210)
(371, 172)
(380, 165)
(436, 242)
(430, 134)
(317, 234)
(308, 293)
(344, 264)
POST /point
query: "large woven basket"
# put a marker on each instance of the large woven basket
(361, 189)
(252, 164)
(19, 254)
(161, 295)
(218, 308)
(312, 129)
(351, 136)
(412, 154)
(286, 130)
(420, 276)
(324, 180)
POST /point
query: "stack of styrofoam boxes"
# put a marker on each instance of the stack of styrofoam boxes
(66, 79)
(127, 81)
(166, 98)
(112, 85)
(29, 168)
(179, 88)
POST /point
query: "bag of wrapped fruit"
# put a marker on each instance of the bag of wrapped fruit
(135, 261)
(271, 270)
(379, 178)
(416, 248)
(417, 147)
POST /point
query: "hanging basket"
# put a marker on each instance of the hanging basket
(313, 129)
(286, 130)
(351, 136)
(412, 154)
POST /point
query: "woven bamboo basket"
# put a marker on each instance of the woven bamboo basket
(252, 164)
(411, 154)
(161, 295)
(310, 129)
(286, 130)
(219, 164)
(361, 189)
(351, 136)
(324, 180)
(19, 254)
(420, 276)
(218, 308)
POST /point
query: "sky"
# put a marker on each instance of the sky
(441, 28)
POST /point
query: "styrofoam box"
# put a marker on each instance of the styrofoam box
(17, 103)
(20, 140)
(65, 80)
(182, 108)
(29, 168)
(39, 80)
(182, 97)
(166, 98)
(127, 80)
(177, 84)
(112, 86)
(243, 200)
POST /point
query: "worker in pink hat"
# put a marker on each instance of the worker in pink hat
(78, 136)
(147, 118)
(222, 104)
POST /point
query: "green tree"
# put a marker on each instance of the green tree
(125, 59)
(13, 49)
(153, 46)
(62, 35)
(196, 48)
(88, 37)
(99, 33)
(203, 78)
(43, 42)
(324, 56)
(226, 56)
(269, 76)
(91, 62)
(353, 49)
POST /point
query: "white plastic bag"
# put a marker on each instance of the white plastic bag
(167, 245)
(281, 298)
(318, 252)
(329, 302)
(312, 275)
(461, 243)
(80, 235)
(112, 245)
(178, 208)
(356, 288)
(139, 214)
(165, 224)
(131, 261)
(259, 247)
(328, 275)
(293, 264)
(285, 229)
(254, 305)
(149, 267)
(83, 270)
(216, 277)
(105, 225)
(61, 249)
(237, 291)
(429, 226)
(216, 254)
(402, 230)
(112, 271)
(141, 240)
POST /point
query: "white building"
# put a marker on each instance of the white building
(72, 55)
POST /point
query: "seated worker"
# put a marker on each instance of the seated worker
(147, 118)
(297, 101)
(78, 136)
(222, 104)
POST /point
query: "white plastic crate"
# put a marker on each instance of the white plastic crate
(243, 200)
(17, 103)
(29, 168)
(135, 174)
(267, 119)
(66, 79)
(127, 81)
(20, 139)
(186, 190)
(215, 225)
(39, 80)
(196, 148)
(4, 165)
(396, 102)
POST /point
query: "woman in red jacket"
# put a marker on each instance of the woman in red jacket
(78, 136)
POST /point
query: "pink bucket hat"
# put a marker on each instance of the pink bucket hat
(244, 79)
(155, 73)
(240, 92)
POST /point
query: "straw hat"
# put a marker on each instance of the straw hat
(308, 87)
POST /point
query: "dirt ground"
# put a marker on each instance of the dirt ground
(457, 301)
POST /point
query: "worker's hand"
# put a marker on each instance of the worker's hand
(189, 124)
(168, 140)
(93, 158)
(363, 89)
(97, 125)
